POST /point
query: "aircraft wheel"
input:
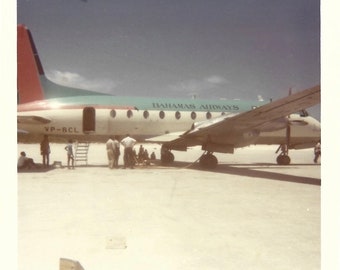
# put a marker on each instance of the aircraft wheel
(283, 160)
(208, 161)
(167, 157)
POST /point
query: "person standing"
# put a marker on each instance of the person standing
(140, 156)
(317, 151)
(45, 151)
(116, 152)
(70, 156)
(110, 152)
(128, 144)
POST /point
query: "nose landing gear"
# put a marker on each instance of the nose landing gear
(283, 158)
(207, 161)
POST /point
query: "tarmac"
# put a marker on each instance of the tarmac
(248, 213)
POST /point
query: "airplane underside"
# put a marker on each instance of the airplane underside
(224, 143)
(209, 161)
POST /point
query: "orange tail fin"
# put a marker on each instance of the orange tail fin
(29, 68)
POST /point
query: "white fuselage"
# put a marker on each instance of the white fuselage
(146, 124)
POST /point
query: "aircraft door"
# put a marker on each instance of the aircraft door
(89, 120)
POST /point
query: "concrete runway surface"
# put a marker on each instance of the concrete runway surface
(249, 213)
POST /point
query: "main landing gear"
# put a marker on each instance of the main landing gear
(166, 156)
(206, 161)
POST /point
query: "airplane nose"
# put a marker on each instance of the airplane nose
(316, 125)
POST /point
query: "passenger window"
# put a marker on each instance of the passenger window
(113, 113)
(178, 115)
(146, 114)
(129, 114)
(161, 114)
(193, 115)
(208, 115)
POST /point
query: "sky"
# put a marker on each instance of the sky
(208, 49)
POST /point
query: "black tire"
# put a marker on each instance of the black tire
(208, 161)
(167, 158)
(283, 160)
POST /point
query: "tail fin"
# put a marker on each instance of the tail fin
(29, 68)
(32, 82)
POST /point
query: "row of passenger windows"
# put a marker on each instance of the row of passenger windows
(161, 114)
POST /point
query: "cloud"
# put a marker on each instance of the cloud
(194, 86)
(215, 80)
(71, 79)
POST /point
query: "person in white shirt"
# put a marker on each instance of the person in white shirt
(70, 156)
(25, 162)
(317, 151)
(110, 152)
(128, 144)
(116, 151)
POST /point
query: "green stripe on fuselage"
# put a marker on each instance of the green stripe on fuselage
(161, 104)
(72, 96)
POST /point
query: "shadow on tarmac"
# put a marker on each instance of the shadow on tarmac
(39, 168)
(252, 170)
(249, 170)
(278, 176)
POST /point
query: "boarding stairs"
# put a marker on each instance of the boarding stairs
(81, 151)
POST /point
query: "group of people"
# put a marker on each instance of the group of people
(112, 149)
(130, 157)
(25, 162)
(143, 156)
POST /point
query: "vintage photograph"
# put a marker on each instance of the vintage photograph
(168, 134)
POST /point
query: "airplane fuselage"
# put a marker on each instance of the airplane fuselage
(146, 118)
(107, 115)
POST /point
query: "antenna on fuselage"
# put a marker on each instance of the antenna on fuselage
(193, 96)
(260, 98)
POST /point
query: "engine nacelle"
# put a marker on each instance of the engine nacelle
(220, 148)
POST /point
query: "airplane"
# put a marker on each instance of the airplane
(218, 126)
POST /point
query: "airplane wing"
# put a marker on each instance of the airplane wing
(249, 122)
(169, 137)
(32, 119)
(269, 112)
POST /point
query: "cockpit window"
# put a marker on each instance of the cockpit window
(303, 113)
